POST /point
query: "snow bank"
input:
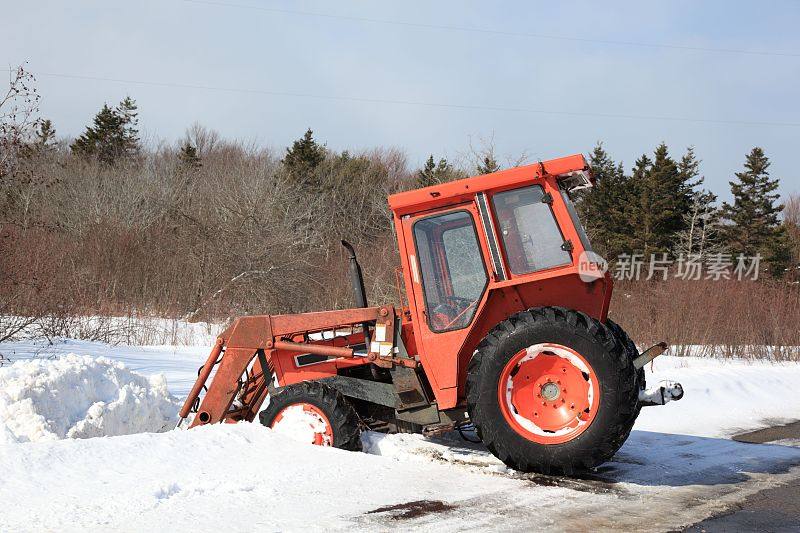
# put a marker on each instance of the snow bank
(80, 397)
(723, 397)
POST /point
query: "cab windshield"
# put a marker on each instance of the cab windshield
(531, 237)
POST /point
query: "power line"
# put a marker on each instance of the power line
(494, 32)
(417, 103)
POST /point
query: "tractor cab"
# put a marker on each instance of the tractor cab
(477, 250)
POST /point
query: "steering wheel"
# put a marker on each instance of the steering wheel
(449, 312)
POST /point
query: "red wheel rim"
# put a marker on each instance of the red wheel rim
(548, 393)
(304, 419)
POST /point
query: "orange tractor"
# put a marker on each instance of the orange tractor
(505, 330)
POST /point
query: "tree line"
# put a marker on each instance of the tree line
(207, 228)
(660, 207)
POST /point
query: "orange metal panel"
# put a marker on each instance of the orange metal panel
(320, 320)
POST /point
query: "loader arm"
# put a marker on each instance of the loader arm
(254, 348)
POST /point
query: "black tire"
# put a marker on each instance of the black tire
(605, 353)
(343, 418)
(630, 347)
(632, 352)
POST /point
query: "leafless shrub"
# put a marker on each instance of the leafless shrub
(153, 237)
(728, 318)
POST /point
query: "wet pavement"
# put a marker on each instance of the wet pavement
(773, 510)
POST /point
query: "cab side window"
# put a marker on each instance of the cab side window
(451, 264)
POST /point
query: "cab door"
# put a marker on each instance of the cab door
(449, 280)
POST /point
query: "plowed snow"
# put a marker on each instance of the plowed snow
(80, 397)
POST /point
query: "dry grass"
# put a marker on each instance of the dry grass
(727, 318)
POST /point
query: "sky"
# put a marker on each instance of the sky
(545, 79)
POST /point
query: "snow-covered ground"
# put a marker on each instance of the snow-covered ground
(678, 466)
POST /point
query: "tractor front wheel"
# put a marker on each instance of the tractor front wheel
(315, 413)
(553, 391)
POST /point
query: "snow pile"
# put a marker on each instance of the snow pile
(80, 397)
(178, 363)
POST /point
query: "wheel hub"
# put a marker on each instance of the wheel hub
(548, 393)
(551, 391)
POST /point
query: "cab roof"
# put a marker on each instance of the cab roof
(459, 191)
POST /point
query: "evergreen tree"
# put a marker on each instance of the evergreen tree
(127, 110)
(663, 196)
(304, 155)
(488, 165)
(605, 208)
(188, 156)
(45, 135)
(752, 220)
(427, 175)
(42, 140)
(700, 232)
(434, 173)
(641, 211)
(303, 163)
(113, 135)
(689, 169)
(791, 224)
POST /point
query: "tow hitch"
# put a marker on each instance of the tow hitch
(666, 391)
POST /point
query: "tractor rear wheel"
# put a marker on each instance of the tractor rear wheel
(316, 413)
(553, 391)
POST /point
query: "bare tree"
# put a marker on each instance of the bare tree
(18, 123)
(202, 139)
(702, 227)
(18, 117)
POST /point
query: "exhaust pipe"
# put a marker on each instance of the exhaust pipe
(356, 277)
(357, 281)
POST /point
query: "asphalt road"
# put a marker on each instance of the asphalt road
(772, 510)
